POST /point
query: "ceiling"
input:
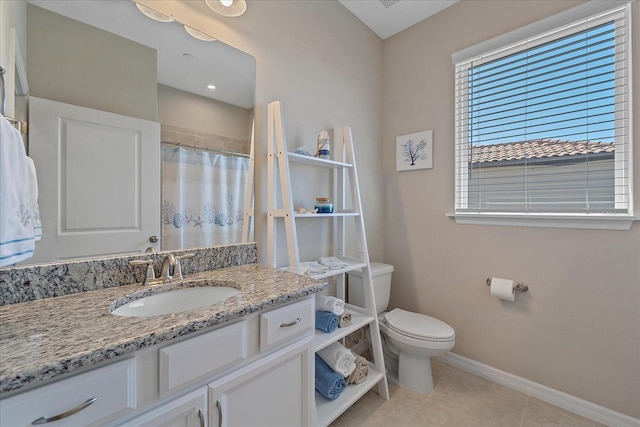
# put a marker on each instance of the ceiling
(389, 17)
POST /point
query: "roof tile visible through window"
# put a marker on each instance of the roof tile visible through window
(537, 149)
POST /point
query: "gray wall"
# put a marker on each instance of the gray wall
(78, 64)
(577, 330)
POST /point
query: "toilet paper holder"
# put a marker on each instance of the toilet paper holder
(520, 287)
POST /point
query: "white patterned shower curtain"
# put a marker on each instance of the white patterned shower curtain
(202, 197)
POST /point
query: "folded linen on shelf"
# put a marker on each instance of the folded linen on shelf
(333, 263)
(326, 321)
(344, 320)
(312, 268)
(339, 358)
(360, 373)
(329, 383)
(329, 303)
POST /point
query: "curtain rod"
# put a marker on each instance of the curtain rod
(213, 150)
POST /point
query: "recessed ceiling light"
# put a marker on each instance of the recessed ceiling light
(153, 14)
(231, 8)
(198, 34)
(211, 86)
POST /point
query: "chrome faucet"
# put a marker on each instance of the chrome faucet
(168, 267)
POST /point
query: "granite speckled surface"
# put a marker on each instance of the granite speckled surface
(28, 283)
(44, 338)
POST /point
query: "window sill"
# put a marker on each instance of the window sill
(588, 222)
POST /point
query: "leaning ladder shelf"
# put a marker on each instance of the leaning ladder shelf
(344, 168)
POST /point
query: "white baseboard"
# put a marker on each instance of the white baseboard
(555, 397)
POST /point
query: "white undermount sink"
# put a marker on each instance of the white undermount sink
(175, 301)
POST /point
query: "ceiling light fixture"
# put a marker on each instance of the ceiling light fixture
(230, 8)
(198, 34)
(153, 14)
(211, 86)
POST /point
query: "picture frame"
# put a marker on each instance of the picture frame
(414, 151)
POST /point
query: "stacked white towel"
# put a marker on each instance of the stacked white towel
(17, 234)
(329, 303)
(312, 268)
(339, 358)
(333, 263)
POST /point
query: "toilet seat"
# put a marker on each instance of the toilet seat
(418, 326)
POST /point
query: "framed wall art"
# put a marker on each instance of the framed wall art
(414, 151)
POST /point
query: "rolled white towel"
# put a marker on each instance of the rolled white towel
(340, 359)
(328, 303)
(333, 263)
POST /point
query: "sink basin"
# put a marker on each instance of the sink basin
(175, 301)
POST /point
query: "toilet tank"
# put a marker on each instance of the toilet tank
(381, 276)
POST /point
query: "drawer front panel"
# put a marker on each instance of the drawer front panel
(186, 361)
(113, 387)
(284, 323)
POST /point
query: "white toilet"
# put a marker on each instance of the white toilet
(409, 339)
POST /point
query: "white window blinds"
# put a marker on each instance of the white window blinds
(543, 125)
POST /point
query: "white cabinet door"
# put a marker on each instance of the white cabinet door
(98, 178)
(275, 391)
(186, 411)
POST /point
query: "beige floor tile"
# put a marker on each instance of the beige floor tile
(478, 400)
(439, 370)
(432, 415)
(533, 410)
(346, 420)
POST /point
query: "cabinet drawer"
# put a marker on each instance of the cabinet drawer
(283, 323)
(191, 359)
(113, 387)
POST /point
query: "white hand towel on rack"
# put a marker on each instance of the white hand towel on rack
(33, 200)
(340, 359)
(333, 263)
(329, 303)
(16, 229)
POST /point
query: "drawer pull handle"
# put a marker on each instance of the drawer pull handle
(295, 322)
(201, 417)
(44, 420)
(219, 406)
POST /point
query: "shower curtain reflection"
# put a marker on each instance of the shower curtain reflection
(202, 197)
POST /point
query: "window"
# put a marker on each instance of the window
(543, 124)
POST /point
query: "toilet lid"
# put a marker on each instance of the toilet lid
(418, 325)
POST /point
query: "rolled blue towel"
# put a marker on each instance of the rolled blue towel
(327, 321)
(329, 383)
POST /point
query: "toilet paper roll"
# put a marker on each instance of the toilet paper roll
(503, 289)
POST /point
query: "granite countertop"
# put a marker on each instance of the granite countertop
(45, 338)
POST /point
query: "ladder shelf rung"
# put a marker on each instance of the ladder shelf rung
(325, 215)
(354, 264)
(359, 319)
(310, 160)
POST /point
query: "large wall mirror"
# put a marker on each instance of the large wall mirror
(109, 57)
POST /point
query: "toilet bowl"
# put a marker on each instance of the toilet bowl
(409, 339)
(412, 339)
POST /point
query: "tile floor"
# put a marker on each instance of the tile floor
(459, 399)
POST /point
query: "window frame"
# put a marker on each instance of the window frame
(542, 31)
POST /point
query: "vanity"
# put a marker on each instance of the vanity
(246, 360)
